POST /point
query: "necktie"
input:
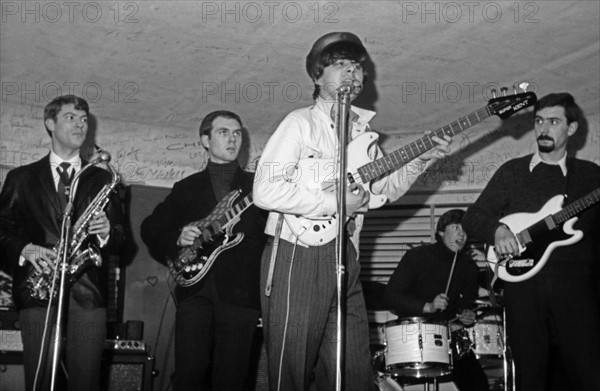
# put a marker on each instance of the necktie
(64, 183)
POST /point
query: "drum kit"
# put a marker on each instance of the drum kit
(419, 348)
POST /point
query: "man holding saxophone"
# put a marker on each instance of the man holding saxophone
(33, 202)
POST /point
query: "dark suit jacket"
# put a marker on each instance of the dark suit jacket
(236, 270)
(30, 212)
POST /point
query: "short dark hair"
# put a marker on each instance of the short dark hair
(573, 112)
(453, 216)
(53, 108)
(207, 122)
(338, 51)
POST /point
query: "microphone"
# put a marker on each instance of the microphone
(350, 86)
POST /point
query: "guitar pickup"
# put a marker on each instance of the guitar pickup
(526, 262)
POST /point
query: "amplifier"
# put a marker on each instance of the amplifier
(10, 341)
(10, 333)
(131, 372)
(125, 345)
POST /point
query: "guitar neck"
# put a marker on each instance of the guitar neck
(234, 211)
(574, 208)
(554, 221)
(400, 157)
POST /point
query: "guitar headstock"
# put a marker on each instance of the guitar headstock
(506, 105)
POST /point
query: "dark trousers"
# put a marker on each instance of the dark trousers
(211, 332)
(85, 332)
(468, 375)
(299, 319)
(554, 310)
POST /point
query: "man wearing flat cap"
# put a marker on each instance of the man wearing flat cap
(298, 281)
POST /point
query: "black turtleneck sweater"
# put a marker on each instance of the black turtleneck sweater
(221, 177)
(423, 273)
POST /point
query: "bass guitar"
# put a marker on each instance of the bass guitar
(361, 169)
(538, 236)
(194, 261)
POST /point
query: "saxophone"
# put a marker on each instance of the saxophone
(79, 259)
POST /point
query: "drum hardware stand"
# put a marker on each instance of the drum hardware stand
(343, 114)
(505, 352)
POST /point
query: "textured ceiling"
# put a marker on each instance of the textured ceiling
(169, 63)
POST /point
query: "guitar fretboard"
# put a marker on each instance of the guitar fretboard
(572, 209)
(400, 157)
(231, 213)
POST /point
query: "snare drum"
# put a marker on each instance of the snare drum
(487, 338)
(417, 347)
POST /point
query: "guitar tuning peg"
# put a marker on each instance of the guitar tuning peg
(523, 86)
(504, 89)
(494, 93)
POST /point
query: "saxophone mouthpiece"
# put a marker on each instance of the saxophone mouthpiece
(103, 157)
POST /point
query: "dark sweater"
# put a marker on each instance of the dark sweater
(237, 269)
(514, 189)
(423, 273)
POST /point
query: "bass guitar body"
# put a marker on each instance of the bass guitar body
(322, 174)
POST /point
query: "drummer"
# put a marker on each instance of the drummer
(439, 282)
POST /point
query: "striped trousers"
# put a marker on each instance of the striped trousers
(300, 320)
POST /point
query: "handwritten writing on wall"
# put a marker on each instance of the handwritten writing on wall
(160, 156)
(142, 154)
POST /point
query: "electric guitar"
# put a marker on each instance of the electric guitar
(194, 261)
(538, 240)
(322, 173)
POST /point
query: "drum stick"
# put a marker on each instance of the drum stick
(451, 272)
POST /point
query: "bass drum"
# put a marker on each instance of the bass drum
(383, 381)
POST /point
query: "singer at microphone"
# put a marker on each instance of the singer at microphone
(337, 59)
(350, 86)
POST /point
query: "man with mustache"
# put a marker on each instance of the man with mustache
(418, 288)
(557, 308)
(299, 312)
(216, 317)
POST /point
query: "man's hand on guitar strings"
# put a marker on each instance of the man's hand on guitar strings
(187, 236)
(505, 243)
(439, 151)
(357, 199)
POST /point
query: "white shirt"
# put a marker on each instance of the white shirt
(310, 133)
(55, 162)
(537, 159)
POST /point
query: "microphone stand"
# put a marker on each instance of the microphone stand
(343, 111)
(63, 266)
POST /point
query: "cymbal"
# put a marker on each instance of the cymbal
(485, 301)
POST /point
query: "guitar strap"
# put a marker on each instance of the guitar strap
(274, 255)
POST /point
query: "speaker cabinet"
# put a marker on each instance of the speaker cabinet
(126, 371)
